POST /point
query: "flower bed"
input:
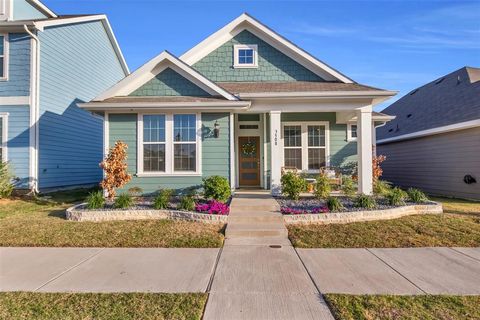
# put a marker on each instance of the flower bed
(206, 211)
(311, 210)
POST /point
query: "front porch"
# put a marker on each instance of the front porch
(265, 143)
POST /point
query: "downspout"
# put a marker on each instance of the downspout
(35, 106)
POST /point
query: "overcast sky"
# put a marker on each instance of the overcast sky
(395, 45)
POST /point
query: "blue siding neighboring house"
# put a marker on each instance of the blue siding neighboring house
(50, 142)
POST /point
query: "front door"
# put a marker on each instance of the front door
(249, 161)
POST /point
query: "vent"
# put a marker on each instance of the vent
(409, 115)
(390, 130)
(439, 80)
(413, 92)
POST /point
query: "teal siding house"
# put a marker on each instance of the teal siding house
(48, 64)
(245, 104)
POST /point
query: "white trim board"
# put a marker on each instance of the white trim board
(149, 70)
(429, 132)
(246, 22)
(15, 101)
(4, 141)
(6, 56)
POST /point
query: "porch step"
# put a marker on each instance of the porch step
(256, 233)
(254, 208)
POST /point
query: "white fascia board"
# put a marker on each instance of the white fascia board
(151, 69)
(43, 8)
(318, 94)
(41, 25)
(429, 132)
(224, 105)
(246, 22)
(15, 101)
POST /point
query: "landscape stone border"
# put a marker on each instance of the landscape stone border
(358, 216)
(76, 213)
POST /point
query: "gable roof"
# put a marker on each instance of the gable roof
(451, 99)
(247, 22)
(58, 20)
(149, 70)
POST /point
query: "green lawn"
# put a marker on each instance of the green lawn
(97, 306)
(369, 307)
(458, 226)
(42, 223)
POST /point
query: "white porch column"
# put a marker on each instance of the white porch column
(364, 150)
(276, 152)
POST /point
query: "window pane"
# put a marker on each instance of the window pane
(245, 56)
(185, 157)
(154, 128)
(316, 136)
(316, 159)
(2, 45)
(292, 136)
(154, 158)
(293, 158)
(354, 130)
(184, 127)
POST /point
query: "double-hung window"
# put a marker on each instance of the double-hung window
(169, 144)
(3, 56)
(305, 145)
(154, 143)
(184, 142)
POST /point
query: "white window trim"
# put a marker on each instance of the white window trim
(169, 146)
(304, 126)
(236, 63)
(3, 143)
(7, 10)
(6, 55)
(349, 132)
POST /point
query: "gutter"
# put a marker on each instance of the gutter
(227, 105)
(34, 110)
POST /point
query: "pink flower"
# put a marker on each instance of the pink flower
(213, 207)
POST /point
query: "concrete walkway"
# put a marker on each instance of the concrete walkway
(256, 275)
(259, 274)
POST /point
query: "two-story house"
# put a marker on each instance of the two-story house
(49, 63)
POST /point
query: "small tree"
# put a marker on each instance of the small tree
(377, 170)
(115, 167)
(6, 186)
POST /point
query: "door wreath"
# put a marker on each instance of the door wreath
(249, 148)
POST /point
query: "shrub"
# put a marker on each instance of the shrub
(115, 168)
(348, 186)
(381, 187)
(217, 188)
(396, 197)
(123, 201)
(162, 200)
(292, 185)
(334, 204)
(6, 186)
(323, 188)
(416, 195)
(365, 201)
(213, 207)
(376, 168)
(186, 203)
(95, 200)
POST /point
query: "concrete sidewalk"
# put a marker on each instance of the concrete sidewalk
(106, 270)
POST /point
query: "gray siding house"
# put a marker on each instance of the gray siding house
(434, 141)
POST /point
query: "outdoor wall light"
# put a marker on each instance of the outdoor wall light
(216, 130)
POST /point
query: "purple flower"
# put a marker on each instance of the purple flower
(213, 207)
